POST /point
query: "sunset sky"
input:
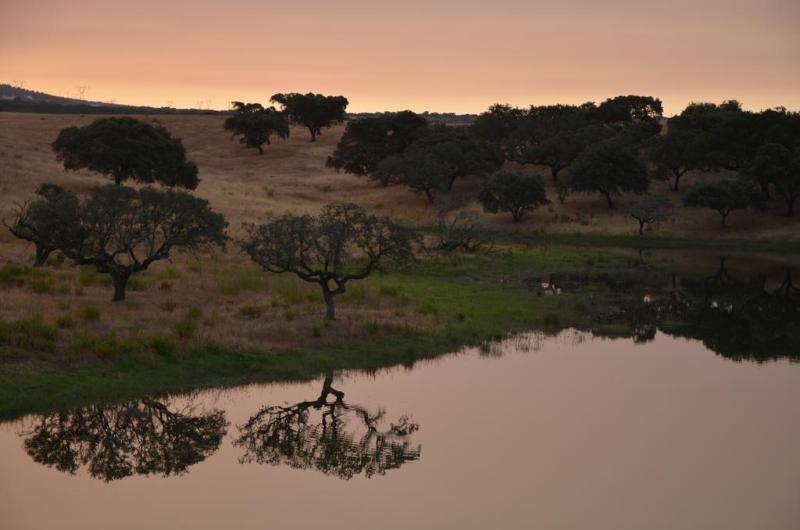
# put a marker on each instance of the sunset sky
(449, 55)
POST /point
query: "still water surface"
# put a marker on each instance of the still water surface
(562, 432)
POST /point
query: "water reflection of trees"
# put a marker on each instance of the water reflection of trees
(328, 435)
(116, 441)
(739, 318)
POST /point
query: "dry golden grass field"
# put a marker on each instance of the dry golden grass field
(223, 296)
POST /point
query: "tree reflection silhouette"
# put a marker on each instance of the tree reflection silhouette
(740, 319)
(327, 435)
(116, 441)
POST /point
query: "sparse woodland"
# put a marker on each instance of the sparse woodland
(238, 230)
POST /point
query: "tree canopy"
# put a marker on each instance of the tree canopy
(329, 435)
(675, 153)
(444, 154)
(777, 165)
(147, 438)
(649, 210)
(609, 168)
(512, 192)
(122, 231)
(256, 124)
(344, 243)
(630, 109)
(313, 111)
(724, 196)
(126, 148)
(46, 222)
(367, 141)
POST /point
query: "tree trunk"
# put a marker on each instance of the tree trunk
(675, 186)
(608, 199)
(313, 134)
(260, 150)
(330, 308)
(641, 228)
(724, 219)
(516, 215)
(554, 174)
(41, 256)
(120, 281)
(429, 195)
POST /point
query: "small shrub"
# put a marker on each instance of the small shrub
(168, 306)
(185, 328)
(250, 311)
(235, 281)
(289, 315)
(88, 275)
(170, 273)
(65, 322)
(89, 313)
(316, 332)
(163, 347)
(29, 333)
(194, 313)
(372, 327)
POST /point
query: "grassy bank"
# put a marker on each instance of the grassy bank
(438, 305)
(466, 299)
(649, 242)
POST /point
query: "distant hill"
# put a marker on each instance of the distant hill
(16, 99)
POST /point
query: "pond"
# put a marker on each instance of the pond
(691, 420)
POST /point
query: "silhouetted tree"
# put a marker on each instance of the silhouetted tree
(630, 109)
(122, 231)
(458, 230)
(724, 196)
(125, 148)
(46, 222)
(608, 168)
(313, 111)
(497, 124)
(367, 141)
(141, 437)
(559, 149)
(649, 210)
(342, 244)
(443, 155)
(512, 192)
(675, 153)
(779, 166)
(317, 435)
(256, 124)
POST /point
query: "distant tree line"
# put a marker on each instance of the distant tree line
(620, 145)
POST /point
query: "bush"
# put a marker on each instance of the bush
(185, 328)
(89, 313)
(163, 346)
(250, 311)
(29, 333)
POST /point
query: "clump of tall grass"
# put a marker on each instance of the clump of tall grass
(30, 333)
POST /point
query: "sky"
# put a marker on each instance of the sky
(447, 55)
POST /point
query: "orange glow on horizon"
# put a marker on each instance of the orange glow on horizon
(448, 56)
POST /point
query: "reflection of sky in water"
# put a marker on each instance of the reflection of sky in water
(664, 434)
